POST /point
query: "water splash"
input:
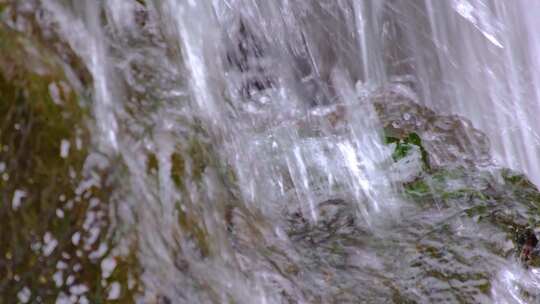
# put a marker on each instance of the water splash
(250, 137)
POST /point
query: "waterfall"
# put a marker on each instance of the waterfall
(284, 151)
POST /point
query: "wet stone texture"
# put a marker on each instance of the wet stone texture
(448, 139)
(56, 242)
(467, 218)
(461, 219)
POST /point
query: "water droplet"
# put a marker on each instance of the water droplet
(406, 116)
(17, 198)
(114, 291)
(64, 148)
(75, 238)
(78, 289)
(107, 266)
(58, 278)
(24, 295)
(50, 244)
(54, 91)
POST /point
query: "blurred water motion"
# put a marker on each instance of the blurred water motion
(273, 151)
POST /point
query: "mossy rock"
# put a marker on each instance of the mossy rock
(404, 146)
(502, 198)
(54, 213)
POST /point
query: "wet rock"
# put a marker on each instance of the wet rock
(527, 243)
(54, 233)
(164, 300)
(246, 56)
(448, 139)
(335, 217)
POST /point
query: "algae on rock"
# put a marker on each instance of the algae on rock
(55, 230)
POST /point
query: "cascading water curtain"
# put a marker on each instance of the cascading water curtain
(287, 151)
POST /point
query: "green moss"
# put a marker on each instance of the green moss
(152, 164)
(177, 170)
(522, 188)
(194, 230)
(200, 157)
(404, 146)
(485, 288)
(516, 179)
(417, 189)
(477, 210)
(441, 185)
(33, 126)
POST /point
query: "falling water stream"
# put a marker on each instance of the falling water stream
(310, 151)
